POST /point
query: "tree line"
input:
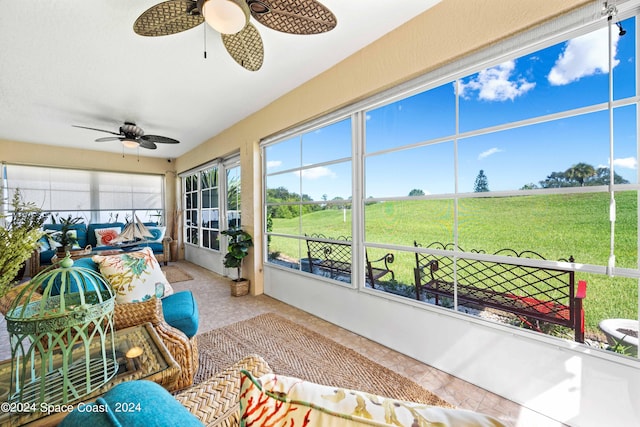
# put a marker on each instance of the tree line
(578, 175)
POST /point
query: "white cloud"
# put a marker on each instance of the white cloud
(584, 56)
(626, 163)
(316, 173)
(489, 152)
(497, 84)
(273, 163)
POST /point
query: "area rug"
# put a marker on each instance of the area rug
(175, 274)
(296, 351)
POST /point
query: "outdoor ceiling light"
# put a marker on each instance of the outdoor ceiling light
(130, 143)
(225, 16)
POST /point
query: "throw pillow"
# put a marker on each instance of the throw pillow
(55, 244)
(134, 276)
(292, 401)
(104, 236)
(43, 244)
(158, 234)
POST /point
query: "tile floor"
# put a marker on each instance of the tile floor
(218, 308)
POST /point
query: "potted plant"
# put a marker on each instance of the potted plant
(239, 242)
(19, 237)
(65, 236)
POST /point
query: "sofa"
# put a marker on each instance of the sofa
(97, 236)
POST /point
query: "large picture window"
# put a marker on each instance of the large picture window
(532, 157)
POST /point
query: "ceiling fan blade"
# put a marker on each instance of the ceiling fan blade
(159, 139)
(147, 144)
(245, 47)
(169, 17)
(108, 138)
(99, 130)
(293, 16)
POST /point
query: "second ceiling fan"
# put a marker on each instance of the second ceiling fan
(231, 19)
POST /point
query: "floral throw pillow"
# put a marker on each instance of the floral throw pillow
(280, 400)
(134, 276)
(104, 236)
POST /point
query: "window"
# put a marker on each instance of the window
(95, 196)
(308, 176)
(207, 199)
(234, 191)
(536, 153)
(210, 208)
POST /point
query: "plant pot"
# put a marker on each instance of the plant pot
(239, 287)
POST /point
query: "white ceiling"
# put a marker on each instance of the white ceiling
(78, 62)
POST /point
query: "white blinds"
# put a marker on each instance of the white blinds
(62, 190)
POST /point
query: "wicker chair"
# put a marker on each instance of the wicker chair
(183, 349)
(215, 401)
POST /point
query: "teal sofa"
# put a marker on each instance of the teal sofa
(86, 236)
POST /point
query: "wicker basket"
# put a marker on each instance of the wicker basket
(240, 288)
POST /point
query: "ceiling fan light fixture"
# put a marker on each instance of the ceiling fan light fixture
(130, 143)
(225, 16)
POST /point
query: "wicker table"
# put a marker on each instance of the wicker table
(155, 363)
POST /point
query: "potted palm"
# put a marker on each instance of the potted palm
(239, 242)
(65, 237)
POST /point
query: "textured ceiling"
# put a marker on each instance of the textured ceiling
(80, 62)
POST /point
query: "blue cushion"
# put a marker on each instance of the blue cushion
(91, 231)
(155, 246)
(181, 311)
(81, 231)
(45, 256)
(88, 283)
(132, 403)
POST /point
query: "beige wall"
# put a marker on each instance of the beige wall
(450, 30)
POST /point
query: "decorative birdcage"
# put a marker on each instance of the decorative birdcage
(62, 346)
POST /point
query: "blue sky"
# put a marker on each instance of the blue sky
(562, 77)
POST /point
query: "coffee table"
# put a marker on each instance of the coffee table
(85, 253)
(154, 363)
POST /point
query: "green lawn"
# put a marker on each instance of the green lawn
(555, 226)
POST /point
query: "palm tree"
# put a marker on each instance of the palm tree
(580, 172)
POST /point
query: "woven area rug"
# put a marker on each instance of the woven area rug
(175, 274)
(296, 351)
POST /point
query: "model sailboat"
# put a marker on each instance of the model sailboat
(134, 233)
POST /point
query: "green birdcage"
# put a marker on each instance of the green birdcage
(62, 345)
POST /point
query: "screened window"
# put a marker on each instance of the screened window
(95, 196)
(309, 176)
(533, 155)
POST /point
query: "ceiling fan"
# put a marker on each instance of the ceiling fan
(133, 136)
(231, 19)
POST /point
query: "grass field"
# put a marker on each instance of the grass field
(555, 226)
